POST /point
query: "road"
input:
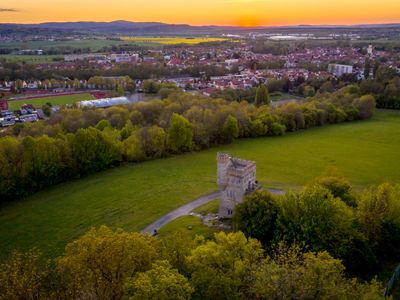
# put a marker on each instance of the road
(187, 208)
(181, 211)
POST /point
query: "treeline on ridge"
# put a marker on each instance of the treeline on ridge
(74, 142)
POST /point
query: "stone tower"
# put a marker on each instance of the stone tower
(223, 163)
(236, 178)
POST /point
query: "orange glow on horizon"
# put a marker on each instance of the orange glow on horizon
(249, 22)
(247, 13)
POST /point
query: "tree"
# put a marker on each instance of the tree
(379, 215)
(97, 264)
(10, 149)
(230, 130)
(256, 216)
(161, 283)
(176, 248)
(47, 109)
(40, 162)
(366, 106)
(150, 86)
(314, 218)
(262, 96)
(103, 124)
(367, 68)
(179, 134)
(154, 142)
(337, 184)
(221, 269)
(292, 274)
(93, 150)
(23, 276)
(120, 90)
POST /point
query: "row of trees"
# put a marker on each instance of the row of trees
(360, 228)
(107, 264)
(74, 142)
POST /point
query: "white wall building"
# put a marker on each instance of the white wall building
(339, 70)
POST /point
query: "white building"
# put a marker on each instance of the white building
(105, 102)
(339, 70)
(370, 50)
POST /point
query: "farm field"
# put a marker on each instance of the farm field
(173, 40)
(93, 45)
(97, 45)
(54, 100)
(33, 59)
(133, 196)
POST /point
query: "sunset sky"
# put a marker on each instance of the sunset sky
(204, 12)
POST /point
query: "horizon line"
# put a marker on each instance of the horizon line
(213, 25)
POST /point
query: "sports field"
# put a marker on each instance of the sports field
(132, 196)
(54, 100)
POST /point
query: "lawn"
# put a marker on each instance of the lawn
(189, 226)
(210, 207)
(54, 100)
(279, 96)
(132, 196)
(33, 59)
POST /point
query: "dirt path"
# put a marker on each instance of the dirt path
(181, 211)
(187, 208)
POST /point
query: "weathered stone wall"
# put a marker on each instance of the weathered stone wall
(235, 177)
(223, 163)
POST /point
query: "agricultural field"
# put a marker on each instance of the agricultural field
(173, 40)
(133, 196)
(54, 100)
(94, 45)
(32, 59)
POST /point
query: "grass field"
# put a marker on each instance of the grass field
(279, 96)
(33, 59)
(54, 100)
(133, 196)
(94, 45)
(210, 207)
(173, 40)
(189, 226)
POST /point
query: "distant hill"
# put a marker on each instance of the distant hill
(157, 28)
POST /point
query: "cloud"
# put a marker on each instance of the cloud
(8, 10)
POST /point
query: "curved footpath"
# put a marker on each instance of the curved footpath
(187, 208)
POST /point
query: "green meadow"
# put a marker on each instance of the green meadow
(33, 59)
(54, 100)
(189, 227)
(94, 45)
(132, 196)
